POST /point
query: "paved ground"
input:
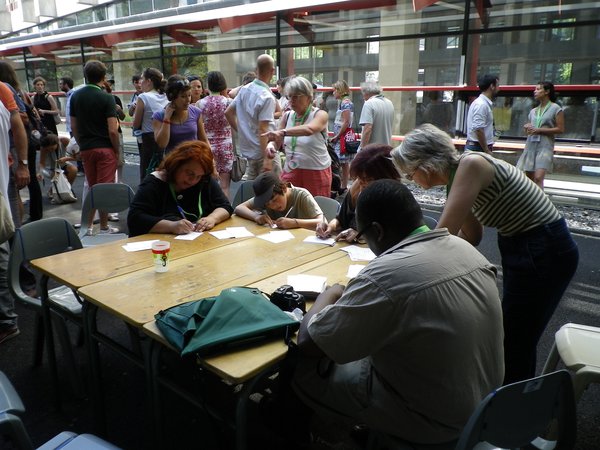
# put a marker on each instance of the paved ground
(129, 426)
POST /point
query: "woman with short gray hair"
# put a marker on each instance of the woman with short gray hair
(303, 134)
(539, 256)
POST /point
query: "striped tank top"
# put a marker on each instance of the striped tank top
(512, 203)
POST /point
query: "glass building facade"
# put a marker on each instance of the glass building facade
(426, 60)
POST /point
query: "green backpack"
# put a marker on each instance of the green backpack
(237, 316)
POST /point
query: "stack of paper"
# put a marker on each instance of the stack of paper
(359, 253)
(189, 236)
(308, 285)
(318, 240)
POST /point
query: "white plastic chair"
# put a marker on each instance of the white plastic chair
(578, 346)
(11, 425)
(329, 206)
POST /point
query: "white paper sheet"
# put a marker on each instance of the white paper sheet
(359, 253)
(307, 283)
(221, 234)
(137, 246)
(354, 269)
(239, 232)
(277, 237)
(318, 240)
(190, 236)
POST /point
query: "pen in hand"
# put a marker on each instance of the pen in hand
(289, 211)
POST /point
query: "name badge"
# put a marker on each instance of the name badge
(535, 138)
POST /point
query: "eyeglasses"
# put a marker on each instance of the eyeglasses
(362, 232)
(294, 97)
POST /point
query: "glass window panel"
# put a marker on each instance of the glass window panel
(579, 117)
(521, 58)
(140, 6)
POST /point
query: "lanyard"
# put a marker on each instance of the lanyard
(421, 229)
(540, 115)
(183, 212)
(296, 124)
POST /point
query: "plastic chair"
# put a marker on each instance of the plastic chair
(329, 206)
(578, 346)
(36, 240)
(244, 192)
(12, 426)
(108, 197)
(430, 222)
(518, 414)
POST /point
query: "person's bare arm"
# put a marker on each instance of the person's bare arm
(201, 132)
(138, 116)
(231, 117)
(113, 133)
(365, 136)
(21, 145)
(473, 175)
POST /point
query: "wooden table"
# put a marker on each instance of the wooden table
(246, 365)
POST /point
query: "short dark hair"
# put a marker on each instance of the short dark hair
(216, 81)
(94, 71)
(486, 81)
(136, 78)
(391, 204)
(49, 140)
(176, 84)
(68, 81)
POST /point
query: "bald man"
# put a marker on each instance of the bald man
(251, 114)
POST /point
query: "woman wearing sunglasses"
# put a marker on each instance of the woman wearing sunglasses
(179, 121)
(182, 196)
(539, 256)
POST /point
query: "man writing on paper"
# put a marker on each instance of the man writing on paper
(414, 342)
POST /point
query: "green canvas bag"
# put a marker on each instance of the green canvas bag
(236, 316)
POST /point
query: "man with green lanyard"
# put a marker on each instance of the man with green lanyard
(251, 115)
(95, 128)
(415, 341)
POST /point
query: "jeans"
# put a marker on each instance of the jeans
(8, 317)
(538, 266)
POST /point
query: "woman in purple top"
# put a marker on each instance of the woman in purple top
(179, 121)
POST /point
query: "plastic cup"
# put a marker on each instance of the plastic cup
(160, 254)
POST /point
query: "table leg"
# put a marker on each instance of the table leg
(90, 329)
(49, 336)
(151, 363)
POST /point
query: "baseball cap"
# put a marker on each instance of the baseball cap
(263, 188)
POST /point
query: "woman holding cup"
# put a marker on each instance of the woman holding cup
(182, 196)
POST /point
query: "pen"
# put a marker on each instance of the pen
(289, 211)
(180, 209)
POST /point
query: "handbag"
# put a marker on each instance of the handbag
(238, 169)
(349, 144)
(7, 226)
(61, 191)
(237, 316)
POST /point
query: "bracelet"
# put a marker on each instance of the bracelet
(284, 132)
(168, 122)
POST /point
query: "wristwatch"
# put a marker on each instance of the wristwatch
(24, 162)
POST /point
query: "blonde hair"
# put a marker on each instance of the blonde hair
(341, 87)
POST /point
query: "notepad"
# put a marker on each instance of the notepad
(308, 285)
(354, 269)
(232, 232)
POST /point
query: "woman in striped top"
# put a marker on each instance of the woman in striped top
(539, 256)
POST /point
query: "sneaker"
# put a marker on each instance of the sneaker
(90, 231)
(113, 217)
(9, 333)
(109, 230)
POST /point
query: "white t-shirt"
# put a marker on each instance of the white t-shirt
(153, 101)
(253, 104)
(4, 149)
